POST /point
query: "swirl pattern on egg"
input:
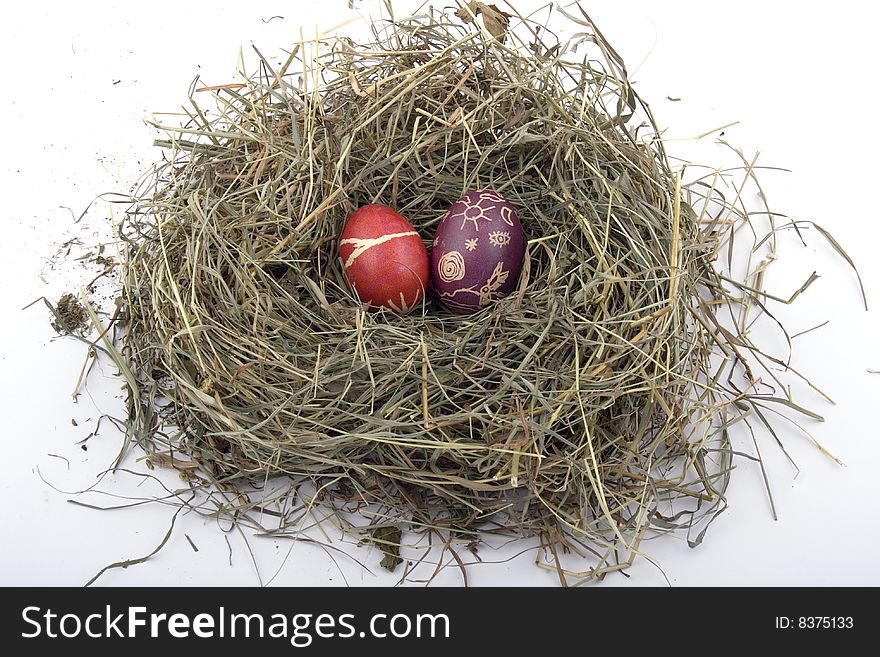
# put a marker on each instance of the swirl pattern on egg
(477, 254)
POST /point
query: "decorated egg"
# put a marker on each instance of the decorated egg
(478, 252)
(384, 259)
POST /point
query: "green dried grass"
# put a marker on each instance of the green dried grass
(591, 409)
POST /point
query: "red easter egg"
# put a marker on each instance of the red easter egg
(385, 262)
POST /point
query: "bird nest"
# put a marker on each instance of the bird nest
(588, 409)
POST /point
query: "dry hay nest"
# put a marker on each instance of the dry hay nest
(590, 408)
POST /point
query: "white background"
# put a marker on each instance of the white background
(801, 79)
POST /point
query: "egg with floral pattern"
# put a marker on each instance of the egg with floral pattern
(477, 254)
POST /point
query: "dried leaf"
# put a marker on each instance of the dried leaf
(388, 540)
(468, 12)
(495, 20)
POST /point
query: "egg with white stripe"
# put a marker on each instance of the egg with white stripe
(478, 250)
(384, 259)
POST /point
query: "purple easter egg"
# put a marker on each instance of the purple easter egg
(478, 250)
